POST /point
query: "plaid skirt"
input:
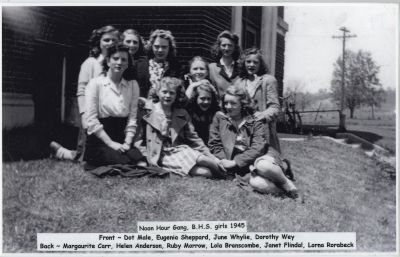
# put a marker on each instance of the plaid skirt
(179, 159)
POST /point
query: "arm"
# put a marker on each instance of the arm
(131, 125)
(272, 101)
(214, 142)
(85, 74)
(193, 139)
(257, 147)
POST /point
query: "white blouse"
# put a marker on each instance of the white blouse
(105, 99)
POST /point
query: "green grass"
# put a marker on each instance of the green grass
(341, 190)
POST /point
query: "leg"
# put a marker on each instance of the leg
(211, 164)
(136, 157)
(273, 172)
(263, 185)
(200, 171)
(61, 152)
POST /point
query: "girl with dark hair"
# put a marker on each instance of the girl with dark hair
(238, 140)
(161, 50)
(169, 140)
(112, 103)
(202, 106)
(262, 88)
(100, 40)
(224, 71)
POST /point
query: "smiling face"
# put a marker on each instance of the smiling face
(131, 41)
(198, 70)
(233, 106)
(252, 64)
(118, 62)
(204, 100)
(226, 46)
(167, 95)
(107, 40)
(160, 49)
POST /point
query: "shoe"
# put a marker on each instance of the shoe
(288, 172)
(294, 194)
(54, 146)
(60, 152)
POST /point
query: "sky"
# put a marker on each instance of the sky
(311, 51)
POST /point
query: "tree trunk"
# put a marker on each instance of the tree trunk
(372, 112)
(351, 113)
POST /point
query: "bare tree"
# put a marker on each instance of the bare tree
(361, 81)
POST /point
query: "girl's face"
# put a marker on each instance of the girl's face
(118, 62)
(131, 41)
(167, 95)
(226, 46)
(198, 70)
(160, 49)
(252, 64)
(204, 99)
(233, 106)
(107, 40)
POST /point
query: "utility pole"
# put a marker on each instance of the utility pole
(343, 37)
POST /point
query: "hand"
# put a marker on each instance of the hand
(227, 164)
(259, 115)
(83, 121)
(126, 147)
(116, 146)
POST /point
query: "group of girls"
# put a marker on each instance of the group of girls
(217, 121)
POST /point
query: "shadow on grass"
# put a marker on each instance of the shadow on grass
(32, 142)
(326, 130)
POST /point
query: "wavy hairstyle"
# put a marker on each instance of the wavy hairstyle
(242, 62)
(245, 100)
(115, 48)
(175, 83)
(95, 38)
(216, 51)
(141, 50)
(192, 105)
(164, 34)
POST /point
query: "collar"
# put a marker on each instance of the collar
(100, 58)
(230, 65)
(107, 82)
(178, 118)
(155, 64)
(247, 121)
(222, 72)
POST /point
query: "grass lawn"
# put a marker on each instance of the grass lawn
(341, 190)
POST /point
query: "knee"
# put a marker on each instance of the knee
(201, 172)
(262, 184)
(206, 161)
(267, 168)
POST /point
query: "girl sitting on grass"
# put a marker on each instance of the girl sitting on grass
(111, 104)
(263, 90)
(202, 106)
(169, 137)
(100, 40)
(239, 141)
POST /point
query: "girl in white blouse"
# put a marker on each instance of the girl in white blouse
(111, 109)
